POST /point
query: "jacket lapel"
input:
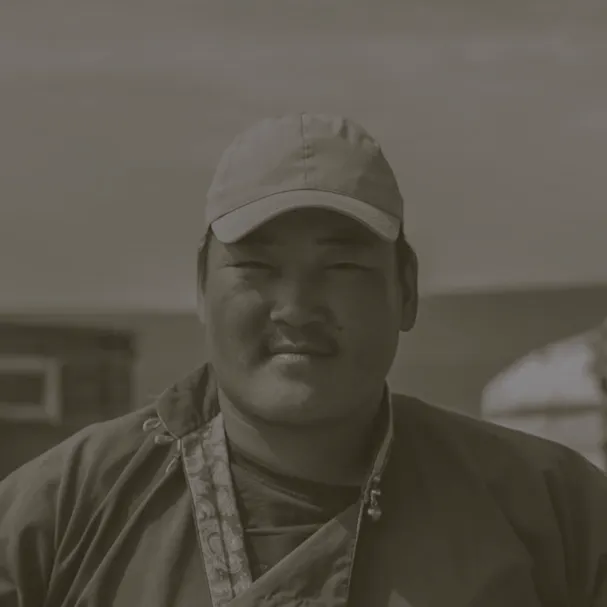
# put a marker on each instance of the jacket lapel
(317, 572)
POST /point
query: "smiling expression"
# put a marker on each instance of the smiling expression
(302, 316)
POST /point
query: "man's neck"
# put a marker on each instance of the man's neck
(335, 453)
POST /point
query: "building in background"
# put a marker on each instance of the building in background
(56, 378)
(115, 362)
(557, 392)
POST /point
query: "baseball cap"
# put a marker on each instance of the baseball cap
(303, 161)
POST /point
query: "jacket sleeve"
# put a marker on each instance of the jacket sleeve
(579, 493)
(27, 531)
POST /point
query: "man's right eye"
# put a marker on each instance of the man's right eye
(252, 265)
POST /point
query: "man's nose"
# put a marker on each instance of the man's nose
(298, 302)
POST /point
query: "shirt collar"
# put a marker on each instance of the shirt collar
(192, 402)
(371, 489)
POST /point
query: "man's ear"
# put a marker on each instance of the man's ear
(408, 280)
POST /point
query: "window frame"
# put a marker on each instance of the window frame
(49, 409)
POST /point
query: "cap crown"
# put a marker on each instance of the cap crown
(303, 152)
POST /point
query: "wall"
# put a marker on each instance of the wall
(168, 345)
(462, 341)
(458, 345)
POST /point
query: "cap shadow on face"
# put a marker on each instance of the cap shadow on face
(305, 234)
(299, 242)
(309, 267)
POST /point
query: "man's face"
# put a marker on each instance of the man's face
(302, 317)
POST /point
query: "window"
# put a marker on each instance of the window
(64, 374)
(30, 389)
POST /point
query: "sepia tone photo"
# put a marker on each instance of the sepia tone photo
(303, 304)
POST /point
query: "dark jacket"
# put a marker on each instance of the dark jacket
(140, 511)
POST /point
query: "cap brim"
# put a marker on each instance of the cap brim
(237, 224)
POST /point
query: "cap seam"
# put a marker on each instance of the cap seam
(305, 148)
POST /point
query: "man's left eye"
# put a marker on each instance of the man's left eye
(252, 265)
(345, 265)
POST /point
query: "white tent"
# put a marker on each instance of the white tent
(553, 392)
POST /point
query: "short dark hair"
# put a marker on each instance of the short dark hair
(404, 254)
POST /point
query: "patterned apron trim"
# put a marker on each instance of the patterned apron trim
(220, 532)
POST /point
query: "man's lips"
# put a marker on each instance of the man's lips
(301, 348)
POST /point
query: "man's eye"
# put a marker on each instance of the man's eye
(252, 265)
(345, 265)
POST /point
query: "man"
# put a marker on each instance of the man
(284, 472)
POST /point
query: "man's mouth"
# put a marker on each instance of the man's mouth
(300, 349)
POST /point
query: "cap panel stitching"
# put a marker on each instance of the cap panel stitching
(305, 148)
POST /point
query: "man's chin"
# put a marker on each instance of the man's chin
(280, 398)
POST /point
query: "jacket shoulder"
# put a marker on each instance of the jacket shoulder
(489, 448)
(553, 497)
(53, 498)
(98, 442)
(81, 469)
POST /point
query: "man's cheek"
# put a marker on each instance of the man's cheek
(240, 331)
(359, 312)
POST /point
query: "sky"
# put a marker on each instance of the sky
(113, 116)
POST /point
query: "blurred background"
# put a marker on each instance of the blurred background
(113, 116)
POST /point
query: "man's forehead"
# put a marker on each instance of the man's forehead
(312, 225)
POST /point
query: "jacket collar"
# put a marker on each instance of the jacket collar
(189, 404)
(192, 402)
